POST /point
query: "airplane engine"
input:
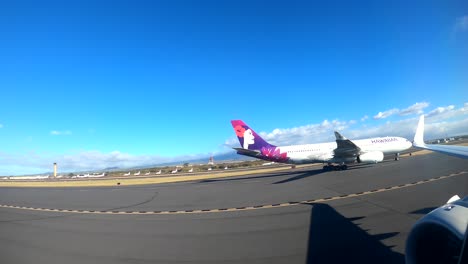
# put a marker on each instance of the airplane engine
(438, 236)
(371, 157)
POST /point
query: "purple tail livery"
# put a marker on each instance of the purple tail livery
(255, 146)
(248, 139)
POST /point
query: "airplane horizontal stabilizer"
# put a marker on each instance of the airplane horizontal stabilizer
(248, 152)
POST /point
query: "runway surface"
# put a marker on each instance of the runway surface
(296, 216)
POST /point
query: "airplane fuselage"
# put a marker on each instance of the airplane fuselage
(324, 152)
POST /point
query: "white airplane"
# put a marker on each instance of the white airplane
(148, 173)
(191, 170)
(127, 174)
(159, 172)
(82, 175)
(87, 175)
(97, 175)
(342, 151)
(38, 177)
(174, 171)
(136, 173)
(418, 142)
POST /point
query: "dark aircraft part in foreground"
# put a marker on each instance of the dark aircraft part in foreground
(440, 236)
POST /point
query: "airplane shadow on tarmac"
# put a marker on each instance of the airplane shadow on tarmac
(334, 238)
(310, 173)
(270, 175)
(304, 174)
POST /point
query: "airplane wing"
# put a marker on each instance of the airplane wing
(418, 142)
(345, 147)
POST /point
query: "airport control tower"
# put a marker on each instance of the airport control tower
(55, 169)
(211, 161)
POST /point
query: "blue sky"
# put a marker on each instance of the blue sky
(91, 84)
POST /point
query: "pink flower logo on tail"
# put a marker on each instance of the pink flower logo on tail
(239, 130)
(274, 153)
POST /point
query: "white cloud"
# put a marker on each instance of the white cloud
(464, 108)
(306, 134)
(440, 110)
(312, 133)
(441, 129)
(447, 113)
(451, 118)
(80, 161)
(59, 133)
(461, 24)
(364, 118)
(385, 114)
(231, 142)
(86, 160)
(417, 108)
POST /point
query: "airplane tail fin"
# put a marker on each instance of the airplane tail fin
(248, 139)
(419, 135)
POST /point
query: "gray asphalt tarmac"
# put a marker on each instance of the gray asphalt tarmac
(197, 222)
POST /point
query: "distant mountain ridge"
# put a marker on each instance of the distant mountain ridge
(220, 158)
(230, 156)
